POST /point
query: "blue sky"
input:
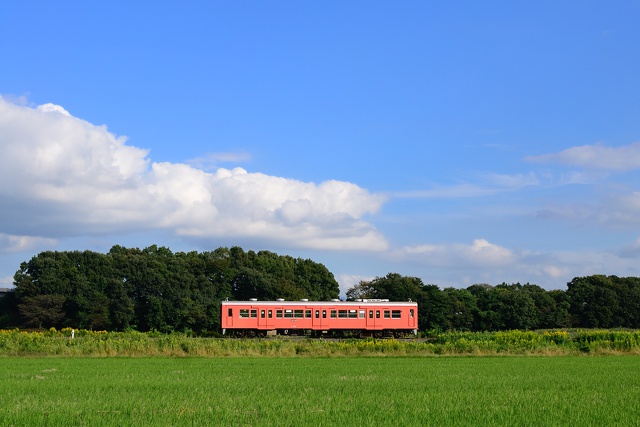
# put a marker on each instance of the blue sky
(462, 143)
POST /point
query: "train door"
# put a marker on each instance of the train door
(229, 316)
(373, 318)
(320, 318)
(266, 318)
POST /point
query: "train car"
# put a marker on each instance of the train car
(365, 317)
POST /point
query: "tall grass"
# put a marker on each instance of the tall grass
(66, 342)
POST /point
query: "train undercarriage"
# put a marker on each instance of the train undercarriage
(337, 333)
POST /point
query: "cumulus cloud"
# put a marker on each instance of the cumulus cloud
(62, 176)
(463, 264)
(348, 281)
(213, 160)
(596, 156)
(53, 108)
(10, 243)
(479, 253)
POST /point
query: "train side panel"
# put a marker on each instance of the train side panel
(287, 316)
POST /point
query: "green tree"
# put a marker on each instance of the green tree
(503, 307)
(627, 291)
(594, 302)
(518, 309)
(43, 310)
(462, 307)
(361, 290)
(483, 318)
(561, 317)
(9, 314)
(434, 308)
(395, 287)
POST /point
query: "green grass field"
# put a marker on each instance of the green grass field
(314, 391)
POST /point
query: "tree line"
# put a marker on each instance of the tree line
(153, 288)
(156, 289)
(596, 301)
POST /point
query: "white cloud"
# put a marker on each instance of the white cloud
(62, 176)
(513, 182)
(479, 253)
(617, 211)
(555, 271)
(11, 243)
(448, 192)
(612, 200)
(6, 281)
(213, 160)
(461, 265)
(464, 264)
(347, 281)
(488, 184)
(53, 108)
(631, 251)
(597, 156)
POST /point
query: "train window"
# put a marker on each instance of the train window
(270, 314)
(317, 314)
(288, 313)
(297, 313)
(278, 313)
(324, 314)
(254, 313)
(307, 313)
(370, 314)
(361, 314)
(334, 314)
(342, 314)
(262, 314)
(244, 312)
(353, 314)
(396, 314)
(377, 314)
(387, 314)
(411, 313)
(230, 314)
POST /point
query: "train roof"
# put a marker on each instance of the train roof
(327, 303)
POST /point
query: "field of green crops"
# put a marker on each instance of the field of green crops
(330, 391)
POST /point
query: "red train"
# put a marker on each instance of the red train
(366, 317)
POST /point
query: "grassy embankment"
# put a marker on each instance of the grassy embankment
(99, 343)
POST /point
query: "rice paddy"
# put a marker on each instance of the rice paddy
(320, 391)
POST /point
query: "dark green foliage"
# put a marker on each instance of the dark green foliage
(589, 302)
(156, 289)
(604, 301)
(42, 310)
(462, 307)
(9, 314)
(434, 308)
(153, 288)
